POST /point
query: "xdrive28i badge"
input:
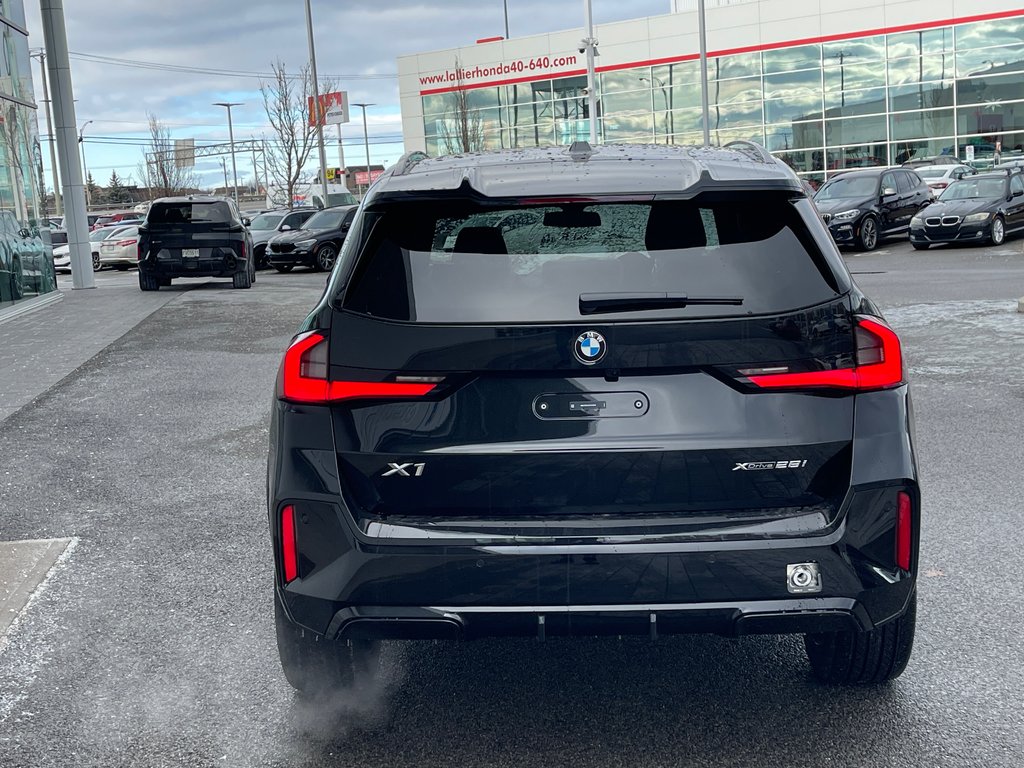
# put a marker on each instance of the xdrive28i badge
(590, 347)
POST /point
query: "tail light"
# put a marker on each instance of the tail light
(138, 252)
(879, 365)
(904, 530)
(126, 243)
(289, 550)
(242, 250)
(304, 377)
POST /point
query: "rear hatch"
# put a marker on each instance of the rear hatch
(590, 368)
(191, 234)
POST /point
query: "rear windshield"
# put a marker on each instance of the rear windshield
(190, 213)
(934, 172)
(458, 263)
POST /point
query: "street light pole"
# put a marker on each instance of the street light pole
(231, 137)
(85, 168)
(317, 112)
(52, 141)
(705, 118)
(366, 141)
(589, 45)
(341, 159)
(505, 3)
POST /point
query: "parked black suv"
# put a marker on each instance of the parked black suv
(592, 391)
(315, 244)
(194, 236)
(984, 207)
(863, 207)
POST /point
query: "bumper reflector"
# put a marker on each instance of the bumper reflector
(904, 532)
(289, 551)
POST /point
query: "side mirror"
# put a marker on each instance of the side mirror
(24, 232)
(345, 226)
(245, 221)
(286, 227)
(889, 192)
(1018, 193)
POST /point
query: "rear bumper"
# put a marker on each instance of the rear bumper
(203, 267)
(350, 588)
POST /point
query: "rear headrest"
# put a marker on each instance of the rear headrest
(675, 226)
(480, 240)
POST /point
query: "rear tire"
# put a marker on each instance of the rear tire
(315, 665)
(243, 279)
(148, 282)
(864, 658)
(867, 237)
(997, 231)
(283, 268)
(96, 266)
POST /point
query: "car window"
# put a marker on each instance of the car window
(329, 218)
(966, 189)
(889, 181)
(1016, 184)
(218, 212)
(459, 263)
(847, 187)
(266, 221)
(935, 172)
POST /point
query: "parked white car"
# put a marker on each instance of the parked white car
(120, 249)
(62, 253)
(938, 177)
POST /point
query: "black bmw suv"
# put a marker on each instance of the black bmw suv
(194, 236)
(593, 391)
(862, 208)
(315, 244)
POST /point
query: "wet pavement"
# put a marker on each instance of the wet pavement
(153, 645)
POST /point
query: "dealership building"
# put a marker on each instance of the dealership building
(823, 84)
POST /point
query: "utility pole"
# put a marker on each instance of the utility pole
(366, 140)
(231, 138)
(255, 172)
(589, 45)
(704, 73)
(317, 112)
(505, 3)
(52, 140)
(224, 164)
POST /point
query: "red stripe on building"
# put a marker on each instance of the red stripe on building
(732, 51)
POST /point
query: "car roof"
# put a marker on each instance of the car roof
(192, 199)
(584, 170)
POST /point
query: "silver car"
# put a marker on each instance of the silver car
(120, 249)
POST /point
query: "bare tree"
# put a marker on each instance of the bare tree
(286, 101)
(462, 126)
(163, 176)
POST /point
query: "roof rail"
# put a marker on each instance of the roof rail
(407, 161)
(752, 148)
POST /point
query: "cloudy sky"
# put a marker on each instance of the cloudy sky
(127, 57)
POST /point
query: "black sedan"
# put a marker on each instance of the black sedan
(315, 244)
(863, 207)
(982, 208)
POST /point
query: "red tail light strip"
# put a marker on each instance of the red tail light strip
(289, 552)
(904, 530)
(885, 373)
(304, 377)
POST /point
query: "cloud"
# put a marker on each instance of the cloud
(354, 40)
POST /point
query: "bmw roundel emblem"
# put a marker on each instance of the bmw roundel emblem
(590, 347)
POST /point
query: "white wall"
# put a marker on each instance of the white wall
(738, 24)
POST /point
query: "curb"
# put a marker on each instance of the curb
(27, 306)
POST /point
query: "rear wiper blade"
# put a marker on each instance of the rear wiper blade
(594, 303)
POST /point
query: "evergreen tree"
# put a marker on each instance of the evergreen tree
(91, 189)
(116, 192)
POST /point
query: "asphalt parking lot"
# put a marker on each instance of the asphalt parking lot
(152, 643)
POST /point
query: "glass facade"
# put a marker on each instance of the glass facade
(876, 100)
(26, 258)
